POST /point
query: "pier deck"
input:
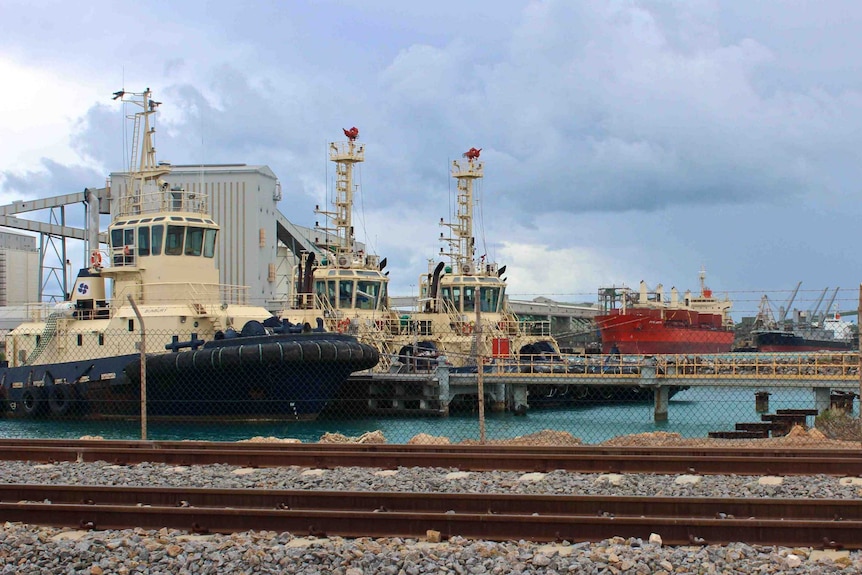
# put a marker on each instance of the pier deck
(509, 385)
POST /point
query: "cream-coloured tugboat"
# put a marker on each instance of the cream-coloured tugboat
(462, 309)
(344, 287)
(215, 356)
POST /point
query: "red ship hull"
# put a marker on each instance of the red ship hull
(652, 331)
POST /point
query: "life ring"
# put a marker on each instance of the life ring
(467, 328)
(342, 325)
(96, 259)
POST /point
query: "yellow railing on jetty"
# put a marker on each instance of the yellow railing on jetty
(713, 367)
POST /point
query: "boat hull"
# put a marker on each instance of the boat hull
(285, 378)
(789, 342)
(564, 395)
(647, 333)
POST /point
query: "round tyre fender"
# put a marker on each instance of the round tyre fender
(33, 402)
(61, 398)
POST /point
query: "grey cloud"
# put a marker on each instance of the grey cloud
(53, 180)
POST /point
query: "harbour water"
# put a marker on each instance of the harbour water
(693, 413)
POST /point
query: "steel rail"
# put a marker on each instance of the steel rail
(751, 449)
(473, 458)
(815, 523)
(490, 503)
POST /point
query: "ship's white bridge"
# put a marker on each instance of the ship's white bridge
(571, 324)
(257, 247)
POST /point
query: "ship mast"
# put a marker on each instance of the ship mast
(345, 155)
(144, 172)
(461, 241)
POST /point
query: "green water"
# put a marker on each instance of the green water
(692, 413)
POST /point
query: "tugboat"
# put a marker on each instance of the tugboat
(209, 355)
(343, 286)
(462, 308)
(463, 314)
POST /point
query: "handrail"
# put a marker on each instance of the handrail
(756, 367)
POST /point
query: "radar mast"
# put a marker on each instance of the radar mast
(345, 155)
(461, 241)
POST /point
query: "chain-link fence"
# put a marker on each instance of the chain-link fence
(480, 385)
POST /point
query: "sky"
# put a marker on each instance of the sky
(622, 140)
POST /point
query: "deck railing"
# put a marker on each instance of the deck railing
(757, 367)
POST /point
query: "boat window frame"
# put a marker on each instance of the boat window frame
(117, 237)
(491, 303)
(210, 237)
(455, 296)
(144, 240)
(194, 245)
(156, 243)
(367, 294)
(330, 291)
(346, 295)
(469, 298)
(171, 232)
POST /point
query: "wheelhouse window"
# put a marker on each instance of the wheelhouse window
(144, 241)
(194, 241)
(117, 237)
(345, 294)
(367, 294)
(209, 243)
(122, 237)
(453, 294)
(320, 289)
(469, 299)
(174, 240)
(158, 235)
(330, 292)
(490, 299)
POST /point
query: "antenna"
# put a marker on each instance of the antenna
(203, 152)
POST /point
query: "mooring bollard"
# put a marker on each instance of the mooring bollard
(761, 401)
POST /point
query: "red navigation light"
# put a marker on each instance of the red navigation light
(352, 133)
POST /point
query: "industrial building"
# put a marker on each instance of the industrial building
(19, 269)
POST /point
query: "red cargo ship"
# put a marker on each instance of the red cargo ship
(645, 323)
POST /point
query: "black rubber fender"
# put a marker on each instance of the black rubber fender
(61, 399)
(316, 350)
(33, 401)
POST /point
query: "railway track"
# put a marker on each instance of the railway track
(587, 459)
(679, 520)
(832, 523)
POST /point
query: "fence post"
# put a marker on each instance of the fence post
(480, 365)
(143, 369)
(858, 357)
(443, 384)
